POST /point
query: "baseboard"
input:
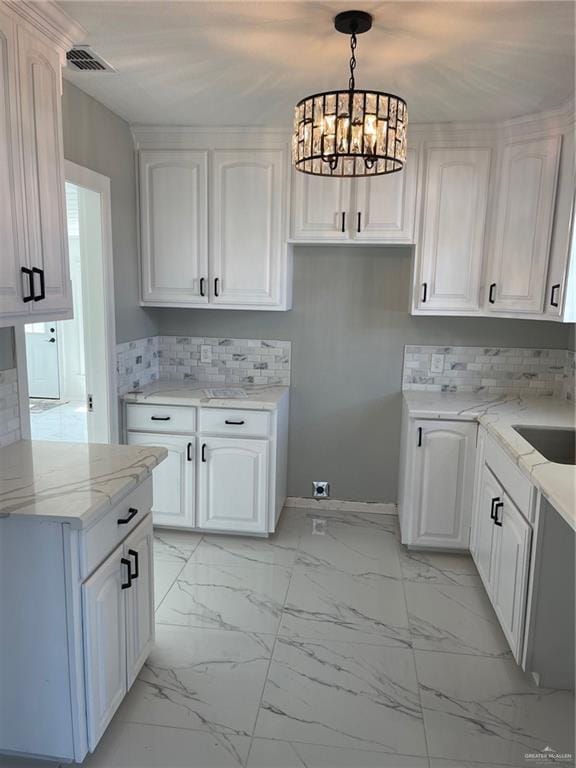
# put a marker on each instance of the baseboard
(338, 505)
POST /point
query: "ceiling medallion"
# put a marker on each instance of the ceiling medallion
(350, 132)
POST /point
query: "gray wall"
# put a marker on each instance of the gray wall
(7, 355)
(100, 140)
(348, 327)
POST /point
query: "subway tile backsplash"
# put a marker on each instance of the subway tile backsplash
(492, 370)
(232, 361)
(9, 407)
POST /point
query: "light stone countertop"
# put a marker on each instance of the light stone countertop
(70, 482)
(168, 392)
(499, 414)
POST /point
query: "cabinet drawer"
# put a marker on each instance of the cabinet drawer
(516, 485)
(226, 421)
(161, 418)
(106, 534)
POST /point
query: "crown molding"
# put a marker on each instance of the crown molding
(48, 19)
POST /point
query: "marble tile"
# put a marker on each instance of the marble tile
(364, 521)
(267, 753)
(475, 706)
(132, 745)
(202, 679)
(227, 597)
(442, 763)
(324, 605)
(165, 574)
(343, 695)
(175, 546)
(439, 568)
(241, 550)
(455, 619)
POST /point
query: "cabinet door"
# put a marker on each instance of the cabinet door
(451, 247)
(527, 192)
(139, 598)
(173, 480)
(385, 206)
(511, 558)
(489, 492)
(44, 173)
(443, 483)
(233, 484)
(12, 257)
(247, 240)
(104, 643)
(174, 224)
(321, 208)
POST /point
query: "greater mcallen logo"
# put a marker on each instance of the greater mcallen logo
(548, 754)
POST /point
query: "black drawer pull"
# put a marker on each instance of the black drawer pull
(359, 222)
(494, 500)
(160, 418)
(554, 295)
(30, 275)
(491, 298)
(189, 452)
(497, 506)
(419, 437)
(128, 565)
(234, 423)
(216, 284)
(42, 294)
(134, 554)
(424, 292)
(204, 452)
(343, 227)
(202, 286)
(132, 512)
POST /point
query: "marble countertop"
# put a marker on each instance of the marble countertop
(499, 414)
(259, 397)
(70, 482)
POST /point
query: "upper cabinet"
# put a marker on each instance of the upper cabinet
(34, 269)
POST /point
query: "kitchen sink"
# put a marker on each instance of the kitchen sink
(557, 444)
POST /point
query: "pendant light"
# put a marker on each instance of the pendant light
(350, 132)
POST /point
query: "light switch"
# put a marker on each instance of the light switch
(205, 353)
(437, 364)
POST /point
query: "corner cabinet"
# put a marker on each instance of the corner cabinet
(34, 269)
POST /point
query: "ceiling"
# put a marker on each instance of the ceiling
(211, 62)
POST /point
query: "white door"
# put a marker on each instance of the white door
(14, 285)
(385, 206)
(489, 493)
(173, 479)
(139, 598)
(42, 360)
(104, 643)
(511, 558)
(451, 246)
(233, 484)
(443, 483)
(321, 208)
(247, 238)
(174, 222)
(44, 173)
(525, 211)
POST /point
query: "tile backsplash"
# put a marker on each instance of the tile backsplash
(9, 407)
(232, 361)
(493, 370)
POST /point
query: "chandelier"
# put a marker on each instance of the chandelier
(350, 132)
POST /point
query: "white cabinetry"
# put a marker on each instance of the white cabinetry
(437, 479)
(450, 253)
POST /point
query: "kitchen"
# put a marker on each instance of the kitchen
(314, 388)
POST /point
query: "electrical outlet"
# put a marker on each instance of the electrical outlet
(437, 364)
(321, 489)
(205, 353)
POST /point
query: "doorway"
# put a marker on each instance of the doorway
(71, 377)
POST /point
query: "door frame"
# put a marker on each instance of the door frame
(96, 182)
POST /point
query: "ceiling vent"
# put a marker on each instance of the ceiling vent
(82, 58)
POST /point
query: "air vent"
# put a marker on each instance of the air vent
(83, 59)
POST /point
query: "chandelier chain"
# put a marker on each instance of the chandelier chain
(353, 44)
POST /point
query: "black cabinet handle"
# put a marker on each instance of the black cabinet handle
(128, 565)
(424, 292)
(132, 512)
(134, 554)
(160, 418)
(189, 452)
(234, 423)
(204, 452)
(343, 225)
(42, 294)
(554, 295)
(419, 437)
(494, 500)
(491, 298)
(359, 221)
(202, 286)
(497, 506)
(30, 275)
(216, 284)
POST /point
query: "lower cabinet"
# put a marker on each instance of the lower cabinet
(233, 484)
(437, 480)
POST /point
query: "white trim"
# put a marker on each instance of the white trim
(50, 20)
(84, 177)
(338, 505)
(22, 367)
